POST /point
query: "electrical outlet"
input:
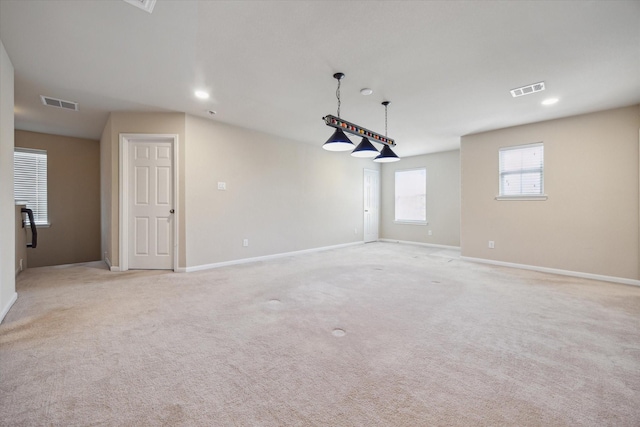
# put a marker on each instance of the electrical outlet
(430, 233)
(245, 242)
(492, 244)
(21, 267)
(222, 186)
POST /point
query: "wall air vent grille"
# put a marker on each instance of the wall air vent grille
(59, 103)
(527, 90)
(146, 5)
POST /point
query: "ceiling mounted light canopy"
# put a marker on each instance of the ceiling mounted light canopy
(340, 142)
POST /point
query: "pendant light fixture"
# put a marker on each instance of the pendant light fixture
(386, 155)
(365, 149)
(338, 141)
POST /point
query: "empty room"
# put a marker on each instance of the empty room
(319, 213)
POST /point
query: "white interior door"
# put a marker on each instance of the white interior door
(150, 204)
(371, 204)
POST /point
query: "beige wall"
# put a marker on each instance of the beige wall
(73, 196)
(7, 204)
(443, 200)
(589, 223)
(281, 195)
(146, 123)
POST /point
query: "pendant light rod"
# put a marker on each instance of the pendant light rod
(386, 104)
(386, 154)
(348, 127)
(338, 141)
(338, 77)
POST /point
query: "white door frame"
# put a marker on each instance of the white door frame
(364, 214)
(125, 138)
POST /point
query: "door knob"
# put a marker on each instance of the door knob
(172, 211)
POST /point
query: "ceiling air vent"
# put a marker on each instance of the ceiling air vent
(527, 90)
(146, 5)
(59, 103)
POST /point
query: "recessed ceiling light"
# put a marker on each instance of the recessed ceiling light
(366, 91)
(202, 94)
(550, 101)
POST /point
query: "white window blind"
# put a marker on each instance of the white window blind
(30, 181)
(411, 196)
(522, 170)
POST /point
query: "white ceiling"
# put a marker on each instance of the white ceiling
(446, 66)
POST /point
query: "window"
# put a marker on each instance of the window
(522, 171)
(411, 196)
(30, 181)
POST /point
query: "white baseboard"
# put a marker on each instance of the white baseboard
(263, 258)
(603, 278)
(6, 309)
(430, 245)
(20, 268)
(109, 266)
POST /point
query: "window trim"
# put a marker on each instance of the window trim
(522, 197)
(410, 221)
(39, 223)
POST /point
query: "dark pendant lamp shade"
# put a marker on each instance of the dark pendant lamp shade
(365, 149)
(386, 156)
(338, 142)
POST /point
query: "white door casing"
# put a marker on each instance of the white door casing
(148, 182)
(371, 204)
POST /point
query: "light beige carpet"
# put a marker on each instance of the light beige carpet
(373, 335)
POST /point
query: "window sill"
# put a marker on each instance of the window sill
(407, 222)
(47, 225)
(523, 198)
